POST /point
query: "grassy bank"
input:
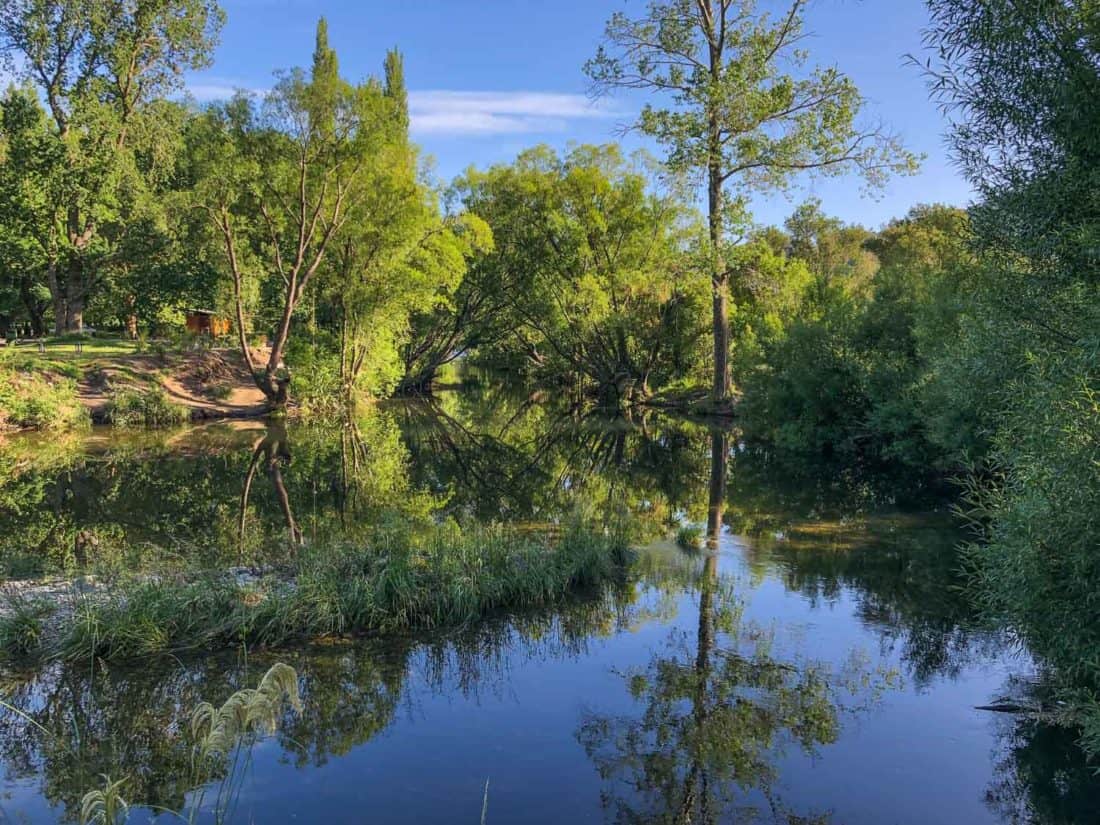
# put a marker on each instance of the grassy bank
(73, 381)
(31, 400)
(396, 585)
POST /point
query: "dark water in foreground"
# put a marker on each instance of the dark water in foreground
(820, 665)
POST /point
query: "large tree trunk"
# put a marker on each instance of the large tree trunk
(722, 385)
(74, 314)
(78, 278)
(131, 318)
(276, 389)
(68, 296)
(57, 296)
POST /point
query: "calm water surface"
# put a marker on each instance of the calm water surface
(818, 664)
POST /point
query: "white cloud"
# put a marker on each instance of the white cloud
(447, 112)
(214, 90)
(487, 113)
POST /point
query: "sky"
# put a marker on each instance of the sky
(489, 78)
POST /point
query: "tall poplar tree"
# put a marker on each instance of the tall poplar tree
(745, 112)
(315, 202)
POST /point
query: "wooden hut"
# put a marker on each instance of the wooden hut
(200, 321)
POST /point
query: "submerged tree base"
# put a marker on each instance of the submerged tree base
(396, 585)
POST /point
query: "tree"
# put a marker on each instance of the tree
(833, 250)
(590, 272)
(281, 183)
(23, 256)
(103, 69)
(1020, 82)
(843, 367)
(739, 116)
(397, 256)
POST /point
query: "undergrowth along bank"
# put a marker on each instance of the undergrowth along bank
(397, 584)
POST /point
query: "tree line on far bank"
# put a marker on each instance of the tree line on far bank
(306, 219)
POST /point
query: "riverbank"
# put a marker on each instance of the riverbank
(70, 382)
(397, 584)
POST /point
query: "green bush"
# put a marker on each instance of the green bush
(35, 400)
(690, 537)
(315, 368)
(24, 566)
(150, 407)
(21, 626)
(1037, 564)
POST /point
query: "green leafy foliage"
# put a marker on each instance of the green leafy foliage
(149, 406)
(745, 113)
(30, 399)
(1020, 81)
(88, 143)
(590, 281)
(850, 368)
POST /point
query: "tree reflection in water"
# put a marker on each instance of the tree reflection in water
(717, 711)
(76, 724)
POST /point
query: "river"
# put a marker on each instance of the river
(816, 660)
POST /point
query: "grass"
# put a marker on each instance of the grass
(66, 347)
(144, 406)
(221, 392)
(397, 585)
(690, 537)
(22, 629)
(221, 736)
(32, 400)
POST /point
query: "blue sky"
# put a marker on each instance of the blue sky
(488, 78)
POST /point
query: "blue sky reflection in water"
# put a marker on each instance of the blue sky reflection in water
(839, 682)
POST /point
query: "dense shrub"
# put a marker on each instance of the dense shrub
(34, 400)
(150, 406)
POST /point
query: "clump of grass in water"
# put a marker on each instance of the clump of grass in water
(397, 584)
(218, 733)
(21, 629)
(148, 407)
(690, 537)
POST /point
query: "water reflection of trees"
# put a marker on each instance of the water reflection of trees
(1041, 776)
(222, 492)
(830, 541)
(77, 723)
(204, 495)
(717, 710)
(518, 459)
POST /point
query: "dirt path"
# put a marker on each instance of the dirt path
(211, 383)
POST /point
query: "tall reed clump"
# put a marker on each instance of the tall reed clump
(218, 732)
(144, 407)
(22, 626)
(690, 538)
(397, 584)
